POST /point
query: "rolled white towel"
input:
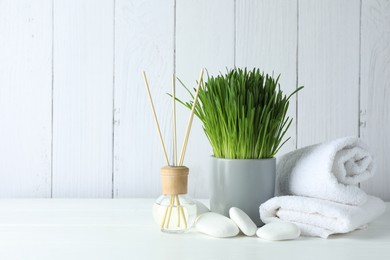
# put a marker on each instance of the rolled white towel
(316, 217)
(326, 171)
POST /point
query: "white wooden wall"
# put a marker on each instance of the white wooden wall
(75, 119)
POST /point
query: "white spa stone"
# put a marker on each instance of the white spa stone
(279, 231)
(216, 225)
(243, 221)
(200, 208)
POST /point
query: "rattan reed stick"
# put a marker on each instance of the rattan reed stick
(182, 213)
(184, 148)
(155, 118)
(178, 210)
(174, 121)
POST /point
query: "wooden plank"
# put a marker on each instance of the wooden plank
(375, 96)
(204, 38)
(267, 39)
(25, 98)
(83, 98)
(328, 65)
(144, 40)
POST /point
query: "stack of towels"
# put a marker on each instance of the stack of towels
(317, 189)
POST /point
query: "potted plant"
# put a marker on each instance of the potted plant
(244, 116)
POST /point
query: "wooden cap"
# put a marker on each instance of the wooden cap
(174, 180)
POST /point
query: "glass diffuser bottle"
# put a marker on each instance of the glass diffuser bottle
(174, 211)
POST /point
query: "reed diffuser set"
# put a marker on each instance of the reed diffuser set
(174, 211)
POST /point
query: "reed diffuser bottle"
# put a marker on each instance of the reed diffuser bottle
(174, 211)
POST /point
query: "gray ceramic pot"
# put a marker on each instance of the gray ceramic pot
(244, 184)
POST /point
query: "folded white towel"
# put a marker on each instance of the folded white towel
(316, 217)
(326, 171)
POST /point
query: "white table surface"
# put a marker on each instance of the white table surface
(124, 229)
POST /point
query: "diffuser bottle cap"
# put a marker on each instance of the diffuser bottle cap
(174, 180)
